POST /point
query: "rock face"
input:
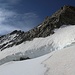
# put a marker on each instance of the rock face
(64, 16)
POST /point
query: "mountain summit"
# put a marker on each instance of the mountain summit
(64, 16)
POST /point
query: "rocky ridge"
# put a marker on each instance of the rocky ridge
(64, 16)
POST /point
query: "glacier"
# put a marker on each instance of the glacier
(53, 55)
(62, 38)
(61, 62)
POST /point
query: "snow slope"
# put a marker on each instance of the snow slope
(62, 38)
(61, 62)
(27, 67)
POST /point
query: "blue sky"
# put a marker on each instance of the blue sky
(26, 14)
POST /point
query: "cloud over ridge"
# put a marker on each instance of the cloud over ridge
(11, 20)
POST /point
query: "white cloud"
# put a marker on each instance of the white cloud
(4, 29)
(10, 21)
(4, 15)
